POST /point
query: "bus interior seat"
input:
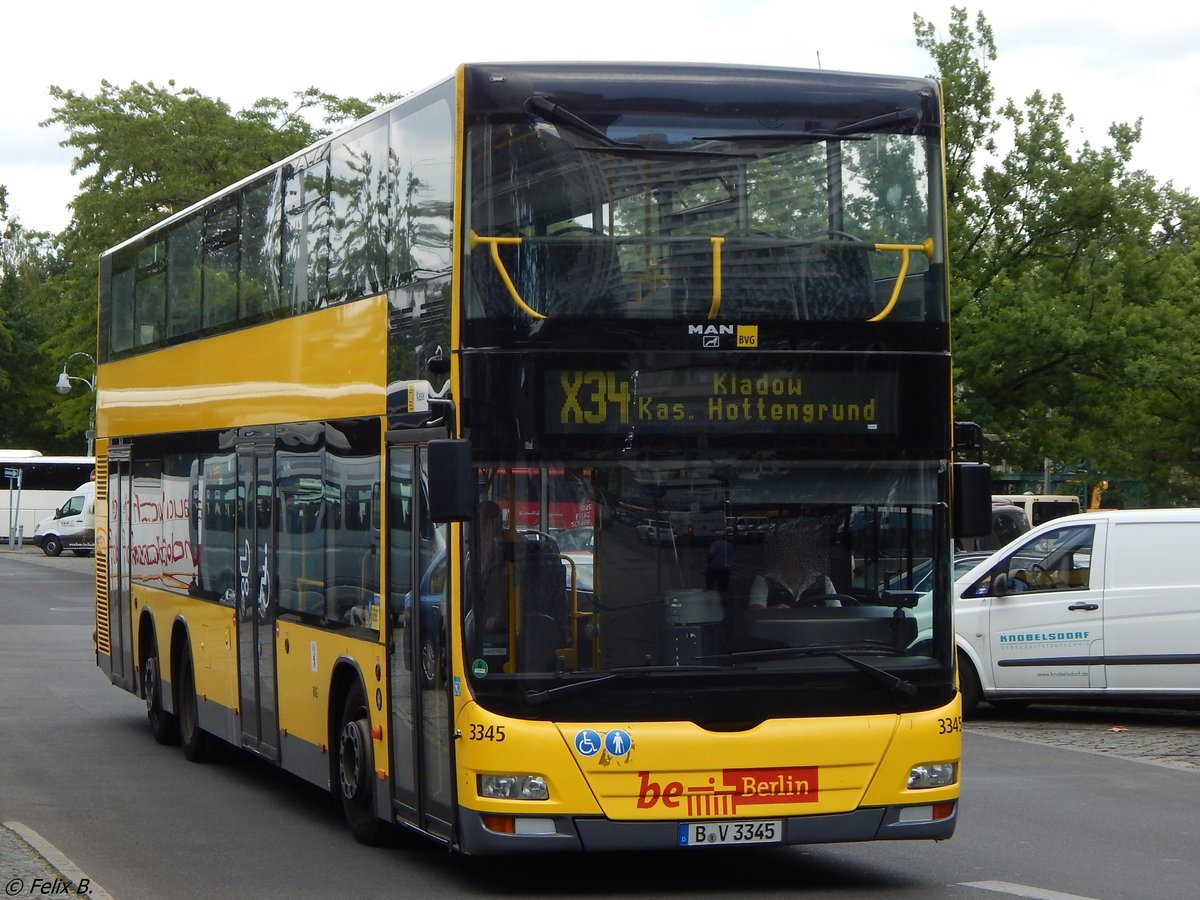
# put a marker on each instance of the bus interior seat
(488, 283)
(835, 282)
(568, 275)
(312, 603)
(757, 280)
(580, 271)
(541, 580)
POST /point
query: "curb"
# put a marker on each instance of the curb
(31, 866)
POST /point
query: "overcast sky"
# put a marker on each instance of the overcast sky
(1111, 62)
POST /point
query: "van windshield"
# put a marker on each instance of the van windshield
(73, 507)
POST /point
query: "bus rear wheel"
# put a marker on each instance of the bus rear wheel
(163, 725)
(356, 770)
(197, 744)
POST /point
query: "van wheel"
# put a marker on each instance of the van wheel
(968, 684)
(52, 545)
(356, 770)
(1010, 705)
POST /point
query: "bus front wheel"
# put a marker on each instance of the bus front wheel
(356, 770)
(968, 684)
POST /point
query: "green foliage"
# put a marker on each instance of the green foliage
(1075, 279)
(1074, 283)
(144, 152)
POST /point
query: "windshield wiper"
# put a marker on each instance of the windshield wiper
(537, 698)
(777, 136)
(550, 111)
(904, 691)
(557, 115)
(908, 116)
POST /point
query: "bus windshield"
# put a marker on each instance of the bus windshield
(646, 215)
(736, 568)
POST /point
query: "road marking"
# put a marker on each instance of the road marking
(1022, 890)
(58, 860)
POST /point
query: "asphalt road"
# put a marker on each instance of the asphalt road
(1057, 803)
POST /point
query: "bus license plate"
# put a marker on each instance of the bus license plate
(759, 831)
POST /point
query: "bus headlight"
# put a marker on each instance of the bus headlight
(931, 775)
(513, 787)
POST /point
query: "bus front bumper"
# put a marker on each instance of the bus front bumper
(574, 833)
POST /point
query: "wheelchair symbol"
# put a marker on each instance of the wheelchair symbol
(587, 742)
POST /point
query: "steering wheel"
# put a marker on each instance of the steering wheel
(822, 600)
(834, 234)
(576, 230)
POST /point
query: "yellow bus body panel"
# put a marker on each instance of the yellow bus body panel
(212, 636)
(327, 364)
(680, 771)
(305, 658)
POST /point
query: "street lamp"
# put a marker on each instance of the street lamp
(63, 386)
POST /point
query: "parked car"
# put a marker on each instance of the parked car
(432, 590)
(577, 546)
(922, 573)
(655, 531)
(1089, 606)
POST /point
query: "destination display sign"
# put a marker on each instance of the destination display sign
(715, 400)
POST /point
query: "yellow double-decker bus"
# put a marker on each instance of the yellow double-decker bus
(693, 293)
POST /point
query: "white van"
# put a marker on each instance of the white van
(72, 526)
(1041, 508)
(1099, 604)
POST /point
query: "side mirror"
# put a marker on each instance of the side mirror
(451, 481)
(1000, 585)
(972, 499)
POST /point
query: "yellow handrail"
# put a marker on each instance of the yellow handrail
(494, 247)
(494, 242)
(716, 279)
(925, 247)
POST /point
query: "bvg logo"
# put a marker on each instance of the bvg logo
(747, 336)
(738, 787)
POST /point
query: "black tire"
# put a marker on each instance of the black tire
(968, 685)
(163, 725)
(52, 545)
(355, 783)
(1010, 705)
(197, 743)
(431, 663)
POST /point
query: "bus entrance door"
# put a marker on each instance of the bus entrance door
(255, 596)
(416, 601)
(120, 628)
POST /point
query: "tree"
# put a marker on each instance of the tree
(1073, 282)
(146, 152)
(27, 374)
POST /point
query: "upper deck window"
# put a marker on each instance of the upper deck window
(362, 213)
(651, 216)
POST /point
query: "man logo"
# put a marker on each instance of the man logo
(711, 335)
